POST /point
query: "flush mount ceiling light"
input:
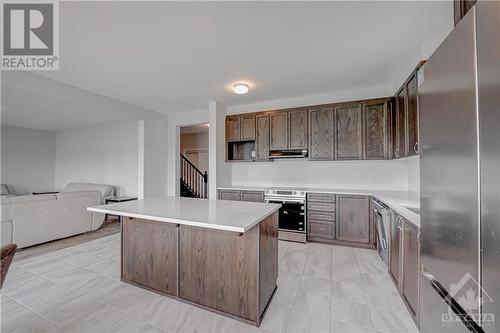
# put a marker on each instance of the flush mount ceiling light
(240, 88)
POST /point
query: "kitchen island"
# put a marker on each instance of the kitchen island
(219, 255)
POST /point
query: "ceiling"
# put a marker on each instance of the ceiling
(176, 56)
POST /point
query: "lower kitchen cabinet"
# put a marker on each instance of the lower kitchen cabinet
(241, 195)
(404, 262)
(253, 196)
(234, 195)
(353, 218)
(411, 264)
(395, 249)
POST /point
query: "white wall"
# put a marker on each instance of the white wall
(105, 154)
(414, 174)
(197, 144)
(382, 175)
(28, 159)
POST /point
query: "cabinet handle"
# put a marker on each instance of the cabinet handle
(418, 238)
(415, 147)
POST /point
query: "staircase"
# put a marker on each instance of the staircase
(193, 182)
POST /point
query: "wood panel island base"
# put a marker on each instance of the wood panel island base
(229, 272)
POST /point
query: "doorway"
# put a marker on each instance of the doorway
(193, 159)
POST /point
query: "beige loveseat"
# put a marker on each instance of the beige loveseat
(33, 219)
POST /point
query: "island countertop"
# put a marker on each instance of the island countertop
(235, 216)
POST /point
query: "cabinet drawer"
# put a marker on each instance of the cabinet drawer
(323, 216)
(321, 229)
(253, 196)
(322, 206)
(230, 195)
(321, 197)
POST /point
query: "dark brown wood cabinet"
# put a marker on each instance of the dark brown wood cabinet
(241, 195)
(321, 133)
(262, 137)
(252, 196)
(149, 252)
(247, 127)
(348, 132)
(297, 129)
(278, 130)
(395, 249)
(411, 264)
(234, 195)
(232, 128)
(405, 117)
(353, 218)
(376, 126)
(412, 116)
(399, 125)
(321, 217)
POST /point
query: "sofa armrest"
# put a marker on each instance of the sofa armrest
(7, 230)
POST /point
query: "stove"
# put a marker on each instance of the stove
(292, 214)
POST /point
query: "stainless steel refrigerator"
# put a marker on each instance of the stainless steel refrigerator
(459, 127)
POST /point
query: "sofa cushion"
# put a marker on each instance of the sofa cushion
(106, 190)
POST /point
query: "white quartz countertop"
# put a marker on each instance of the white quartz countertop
(396, 200)
(236, 216)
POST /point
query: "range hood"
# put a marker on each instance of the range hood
(288, 153)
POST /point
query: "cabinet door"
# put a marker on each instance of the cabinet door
(252, 196)
(233, 128)
(247, 127)
(353, 220)
(234, 195)
(399, 124)
(412, 117)
(349, 132)
(411, 263)
(321, 133)
(262, 137)
(279, 130)
(375, 131)
(297, 129)
(395, 249)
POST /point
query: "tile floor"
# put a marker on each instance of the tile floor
(321, 289)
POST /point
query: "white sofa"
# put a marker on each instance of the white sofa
(33, 219)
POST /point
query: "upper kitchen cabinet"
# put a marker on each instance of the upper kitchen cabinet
(233, 128)
(399, 128)
(405, 117)
(412, 116)
(247, 127)
(278, 130)
(348, 131)
(297, 129)
(262, 137)
(321, 133)
(376, 130)
(240, 137)
(288, 129)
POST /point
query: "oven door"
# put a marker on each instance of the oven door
(291, 215)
